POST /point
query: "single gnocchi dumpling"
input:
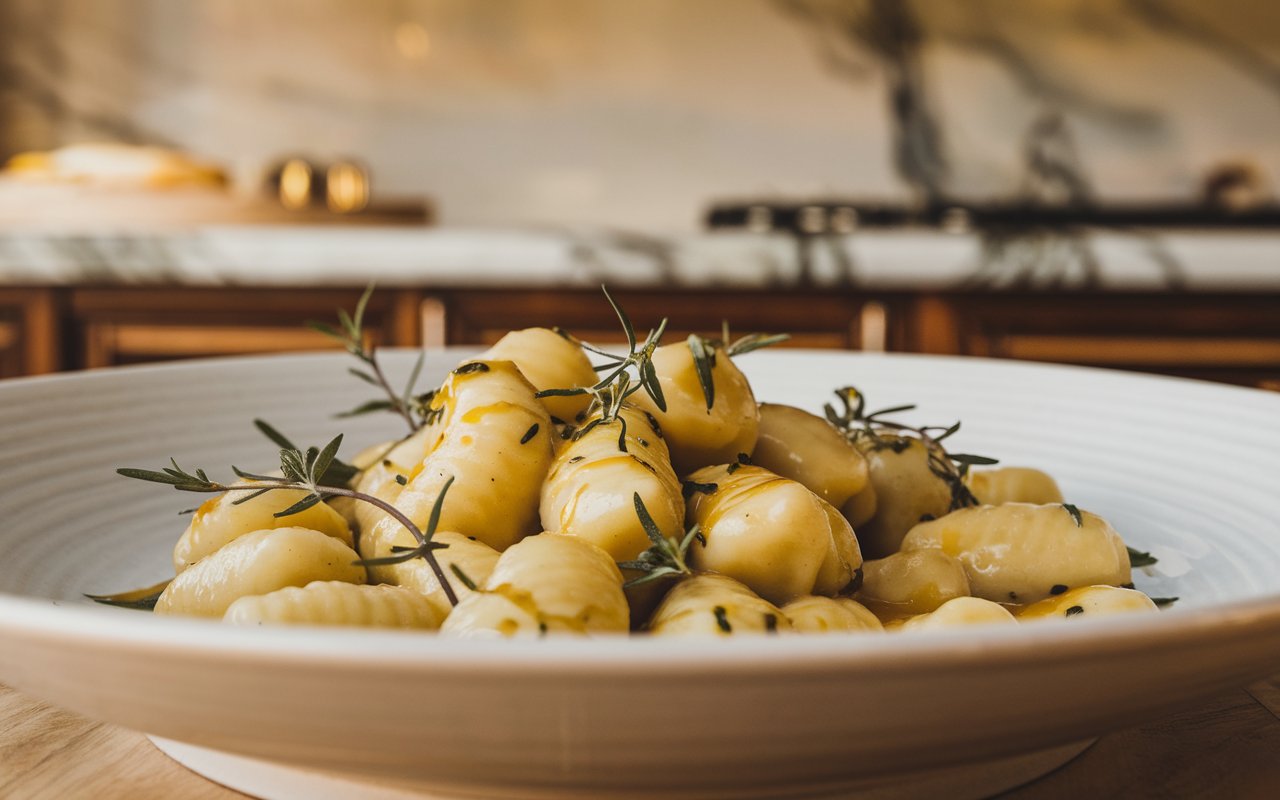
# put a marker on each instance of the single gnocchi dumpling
(492, 438)
(590, 490)
(337, 603)
(993, 487)
(464, 554)
(364, 461)
(960, 612)
(905, 491)
(911, 583)
(772, 534)
(549, 360)
(697, 435)
(549, 583)
(1088, 601)
(715, 605)
(830, 615)
(221, 519)
(1018, 552)
(385, 467)
(259, 563)
(805, 448)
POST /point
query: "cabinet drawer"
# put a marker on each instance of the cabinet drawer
(138, 325)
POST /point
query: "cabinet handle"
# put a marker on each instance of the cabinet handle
(431, 312)
(873, 327)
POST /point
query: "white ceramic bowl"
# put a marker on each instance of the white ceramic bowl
(1187, 470)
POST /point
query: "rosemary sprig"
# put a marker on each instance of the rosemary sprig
(666, 556)
(625, 375)
(304, 471)
(414, 409)
(339, 472)
(704, 349)
(858, 425)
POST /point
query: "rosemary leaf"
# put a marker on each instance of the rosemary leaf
(300, 506)
(702, 365)
(1137, 558)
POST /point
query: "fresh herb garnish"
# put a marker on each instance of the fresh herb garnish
(666, 556)
(1137, 558)
(339, 472)
(857, 425)
(140, 599)
(1075, 514)
(625, 376)
(350, 333)
(303, 471)
(688, 488)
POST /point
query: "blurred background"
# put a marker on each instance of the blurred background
(1085, 181)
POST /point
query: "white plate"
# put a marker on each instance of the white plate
(1187, 470)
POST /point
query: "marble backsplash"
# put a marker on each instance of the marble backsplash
(638, 114)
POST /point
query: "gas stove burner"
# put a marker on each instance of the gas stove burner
(836, 217)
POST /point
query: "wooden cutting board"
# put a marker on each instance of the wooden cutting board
(1225, 748)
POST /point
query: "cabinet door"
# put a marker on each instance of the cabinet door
(1232, 338)
(828, 320)
(29, 340)
(122, 326)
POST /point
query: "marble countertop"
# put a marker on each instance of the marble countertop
(534, 257)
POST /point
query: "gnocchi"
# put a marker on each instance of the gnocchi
(568, 515)
(1018, 552)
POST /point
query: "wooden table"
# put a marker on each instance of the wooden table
(1226, 748)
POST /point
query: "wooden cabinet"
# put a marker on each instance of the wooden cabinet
(123, 326)
(29, 332)
(1226, 337)
(829, 320)
(1232, 338)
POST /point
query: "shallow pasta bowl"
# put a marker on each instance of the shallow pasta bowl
(1186, 470)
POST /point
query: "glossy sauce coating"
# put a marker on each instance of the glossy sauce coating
(258, 563)
(696, 436)
(1018, 552)
(494, 439)
(222, 519)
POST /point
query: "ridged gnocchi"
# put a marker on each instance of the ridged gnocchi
(699, 436)
(1018, 552)
(912, 582)
(548, 360)
(337, 603)
(961, 612)
(258, 563)
(223, 518)
(805, 448)
(830, 614)
(467, 555)
(547, 583)
(588, 492)
(905, 490)
(993, 487)
(1088, 600)
(715, 605)
(770, 533)
(493, 439)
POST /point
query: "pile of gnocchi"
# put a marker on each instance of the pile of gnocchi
(771, 519)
